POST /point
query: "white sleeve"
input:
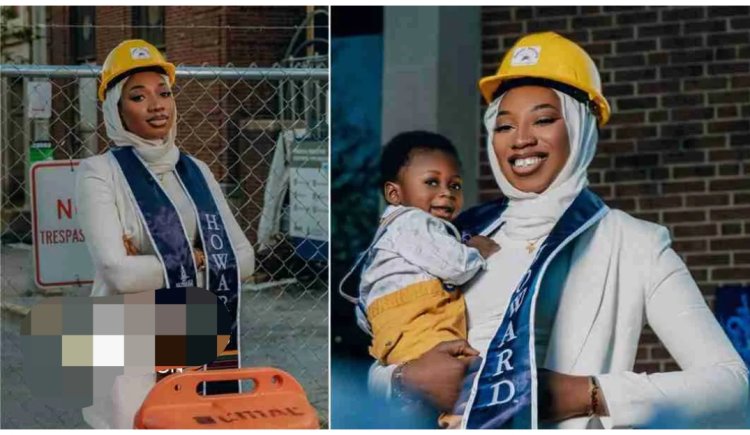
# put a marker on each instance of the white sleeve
(711, 390)
(242, 246)
(100, 222)
(425, 242)
(379, 380)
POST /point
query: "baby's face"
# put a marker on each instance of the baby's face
(431, 181)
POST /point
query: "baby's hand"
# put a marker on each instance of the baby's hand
(485, 245)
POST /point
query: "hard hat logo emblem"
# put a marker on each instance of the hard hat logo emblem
(526, 55)
(139, 53)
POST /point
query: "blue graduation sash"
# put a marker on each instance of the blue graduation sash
(504, 391)
(171, 242)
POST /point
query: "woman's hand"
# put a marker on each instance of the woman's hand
(438, 374)
(485, 245)
(130, 248)
(200, 259)
(564, 396)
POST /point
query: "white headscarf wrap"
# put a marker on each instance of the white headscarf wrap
(531, 215)
(160, 155)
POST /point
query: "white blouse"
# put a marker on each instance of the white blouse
(488, 294)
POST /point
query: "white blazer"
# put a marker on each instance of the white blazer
(623, 275)
(107, 211)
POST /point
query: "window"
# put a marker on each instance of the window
(84, 33)
(148, 24)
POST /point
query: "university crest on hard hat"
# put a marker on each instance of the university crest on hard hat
(526, 55)
(140, 53)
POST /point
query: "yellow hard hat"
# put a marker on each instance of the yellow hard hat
(549, 59)
(130, 55)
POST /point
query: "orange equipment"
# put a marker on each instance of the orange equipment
(277, 401)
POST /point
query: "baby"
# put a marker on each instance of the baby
(408, 299)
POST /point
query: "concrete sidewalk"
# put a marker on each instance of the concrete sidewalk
(18, 292)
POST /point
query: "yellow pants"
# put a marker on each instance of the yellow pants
(409, 322)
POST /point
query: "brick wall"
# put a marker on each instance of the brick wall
(200, 119)
(118, 19)
(263, 47)
(677, 148)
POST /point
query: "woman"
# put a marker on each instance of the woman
(558, 314)
(153, 216)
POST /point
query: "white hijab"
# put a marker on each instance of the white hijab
(160, 155)
(530, 216)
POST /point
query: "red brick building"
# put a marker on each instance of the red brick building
(677, 149)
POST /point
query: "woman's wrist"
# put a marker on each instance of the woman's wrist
(565, 396)
(588, 397)
(597, 404)
(399, 389)
(578, 389)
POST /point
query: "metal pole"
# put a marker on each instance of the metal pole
(198, 72)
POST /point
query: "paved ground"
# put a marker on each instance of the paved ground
(283, 327)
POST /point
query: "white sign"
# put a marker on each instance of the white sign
(61, 257)
(308, 190)
(38, 99)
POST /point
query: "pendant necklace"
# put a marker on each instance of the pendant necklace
(531, 244)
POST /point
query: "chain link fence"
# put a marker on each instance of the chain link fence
(263, 132)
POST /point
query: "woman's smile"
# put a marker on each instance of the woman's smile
(527, 164)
